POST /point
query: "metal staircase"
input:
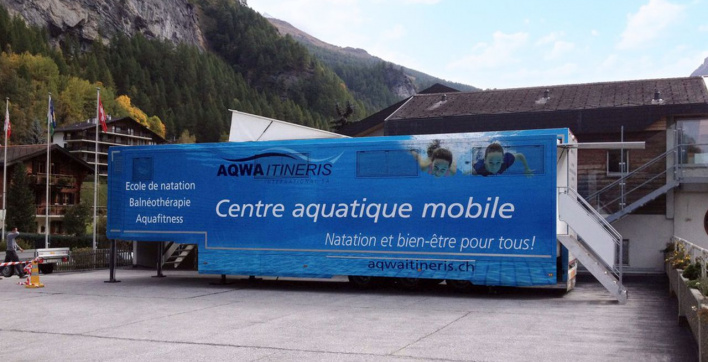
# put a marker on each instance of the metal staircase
(592, 240)
(635, 189)
(176, 253)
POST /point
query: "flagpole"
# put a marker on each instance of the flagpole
(49, 169)
(95, 169)
(4, 169)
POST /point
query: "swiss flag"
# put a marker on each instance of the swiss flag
(102, 116)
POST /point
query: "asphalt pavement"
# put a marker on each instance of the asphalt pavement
(184, 316)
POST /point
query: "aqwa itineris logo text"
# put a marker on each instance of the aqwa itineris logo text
(277, 165)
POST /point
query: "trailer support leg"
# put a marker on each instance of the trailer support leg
(112, 264)
(222, 281)
(160, 251)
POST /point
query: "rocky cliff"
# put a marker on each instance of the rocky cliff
(702, 70)
(92, 20)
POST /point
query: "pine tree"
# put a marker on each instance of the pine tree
(36, 134)
(76, 219)
(21, 208)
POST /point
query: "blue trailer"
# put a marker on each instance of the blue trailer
(478, 208)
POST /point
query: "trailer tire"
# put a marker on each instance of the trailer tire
(46, 268)
(408, 283)
(459, 285)
(427, 283)
(7, 271)
(363, 282)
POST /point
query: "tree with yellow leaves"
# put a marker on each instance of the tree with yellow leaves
(152, 123)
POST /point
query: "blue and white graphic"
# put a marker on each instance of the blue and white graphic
(386, 206)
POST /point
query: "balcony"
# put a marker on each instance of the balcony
(54, 210)
(60, 210)
(59, 180)
(91, 136)
(693, 163)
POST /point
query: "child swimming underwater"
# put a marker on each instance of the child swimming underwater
(496, 161)
(439, 162)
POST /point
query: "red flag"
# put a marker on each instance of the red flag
(8, 128)
(102, 116)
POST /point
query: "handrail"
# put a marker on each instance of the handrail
(616, 237)
(624, 177)
(647, 182)
(676, 164)
(638, 186)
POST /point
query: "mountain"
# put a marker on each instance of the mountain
(351, 63)
(182, 64)
(702, 70)
(217, 55)
(99, 20)
(307, 39)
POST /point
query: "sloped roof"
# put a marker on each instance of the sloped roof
(561, 97)
(438, 88)
(88, 124)
(22, 153)
(585, 108)
(376, 120)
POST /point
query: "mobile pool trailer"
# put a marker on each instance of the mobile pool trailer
(371, 207)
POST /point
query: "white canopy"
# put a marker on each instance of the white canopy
(249, 127)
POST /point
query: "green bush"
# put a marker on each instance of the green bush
(701, 285)
(22, 243)
(36, 241)
(693, 271)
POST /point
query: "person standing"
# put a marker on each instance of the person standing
(11, 253)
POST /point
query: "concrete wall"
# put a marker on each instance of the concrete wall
(689, 214)
(648, 235)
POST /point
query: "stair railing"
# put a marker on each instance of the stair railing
(645, 175)
(617, 268)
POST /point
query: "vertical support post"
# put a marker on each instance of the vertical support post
(50, 118)
(160, 252)
(623, 171)
(96, 182)
(112, 264)
(4, 166)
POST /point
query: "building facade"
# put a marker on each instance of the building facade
(80, 139)
(65, 176)
(649, 194)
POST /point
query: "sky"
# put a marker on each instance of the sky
(510, 44)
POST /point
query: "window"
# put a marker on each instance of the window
(617, 162)
(40, 167)
(394, 163)
(693, 140)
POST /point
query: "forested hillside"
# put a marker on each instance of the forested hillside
(375, 82)
(181, 90)
(251, 69)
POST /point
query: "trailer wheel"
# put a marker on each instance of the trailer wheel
(363, 282)
(46, 268)
(459, 285)
(408, 283)
(430, 282)
(7, 271)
